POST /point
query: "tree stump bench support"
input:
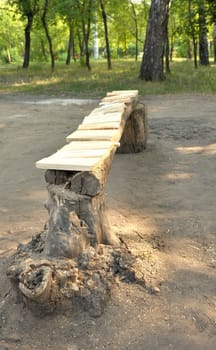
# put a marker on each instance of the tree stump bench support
(76, 176)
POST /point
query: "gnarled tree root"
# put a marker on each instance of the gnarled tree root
(46, 284)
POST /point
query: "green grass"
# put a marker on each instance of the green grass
(75, 80)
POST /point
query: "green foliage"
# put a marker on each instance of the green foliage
(26, 7)
(66, 14)
(11, 35)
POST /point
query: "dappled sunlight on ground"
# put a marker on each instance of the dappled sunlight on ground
(179, 176)
(160, 202)
(206, 150)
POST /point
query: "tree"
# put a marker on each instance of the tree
(134, 16)
(104, 16)
(84, 20)
(11, 36)
(214, 42)
(203, 42)
(212, 15)
(193, 30)
(152, 67)
(68, 13)
(49, 39)
(28, 10)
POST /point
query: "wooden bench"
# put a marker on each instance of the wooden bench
(76, 174)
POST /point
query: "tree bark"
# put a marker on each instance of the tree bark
(214, 42)
(87, 35)
(193, 34)
(167, 51)
(152, 63)
(86, 29)
(104, 16)
(70, 50)
(28, 40)
(135, 133)
(203, 42)
(49, 39)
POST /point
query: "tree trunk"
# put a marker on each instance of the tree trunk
(136, 29)
(152, 62)
(193, 33)
(70, 50)
(203, 42)
(43, 50)
(86, 28)
(195, 52)
(189, 50)
(81, 45)
(43, 18)
(109, 64)
(167, 49)
(214, 42)
(28, 40)
(171, 48)
(8, 56)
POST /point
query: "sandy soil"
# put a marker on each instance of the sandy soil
(161, 202)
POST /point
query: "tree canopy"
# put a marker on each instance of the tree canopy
(72, 30)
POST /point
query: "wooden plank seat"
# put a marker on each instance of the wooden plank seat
(76, 174)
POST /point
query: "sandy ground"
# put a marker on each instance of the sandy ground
(161, 202)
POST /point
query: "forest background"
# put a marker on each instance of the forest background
(91, 46)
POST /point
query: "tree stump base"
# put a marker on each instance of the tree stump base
(48, 284)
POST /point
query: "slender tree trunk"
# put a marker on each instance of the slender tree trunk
(214, 42)
(193, 33)
(70, 51)
(86, 29)
(28, 40)
(43, 49)
(86, 40)
(136, 29)
(49, 39)
(167, 56)
(81, 45)
(171, 48)
(189, 50)
(8, 56)
(203, 42)
(167, 46)
(104, 16)
(152, 62)
(195, 52)
(87, 35)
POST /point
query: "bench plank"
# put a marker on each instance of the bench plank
(103, 117)
(82, 153)
(67, 163)
(89, 145)
(99, 126)
(109, 108)
(123, 92)
(110, 135)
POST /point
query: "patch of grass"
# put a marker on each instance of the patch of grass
(76, 80)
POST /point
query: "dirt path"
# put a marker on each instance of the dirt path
(161, 202)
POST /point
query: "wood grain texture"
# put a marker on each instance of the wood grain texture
(99, 126)
(93, 135)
